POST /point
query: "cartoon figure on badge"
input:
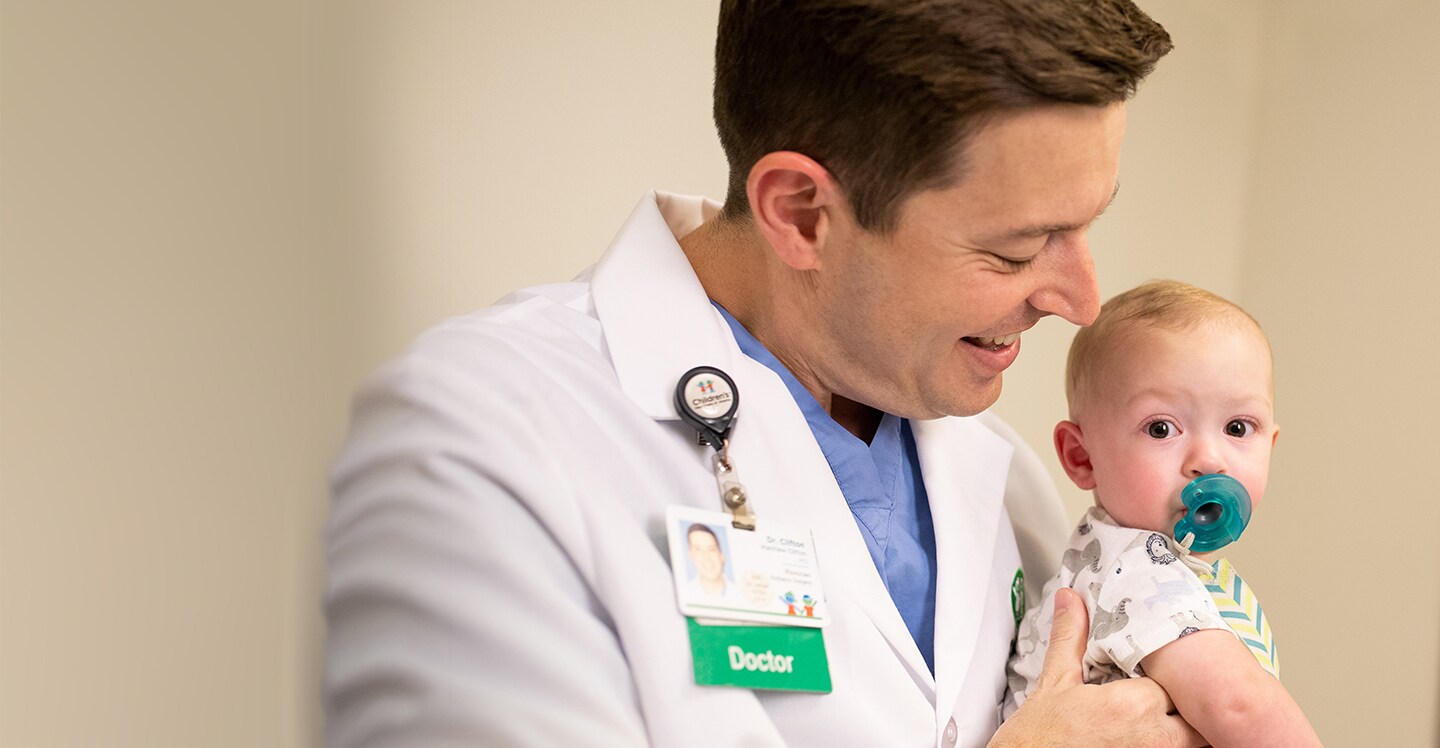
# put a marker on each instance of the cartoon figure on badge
(789, 600)
(809, 603)
(710, 576)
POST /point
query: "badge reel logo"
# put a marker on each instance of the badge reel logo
(709, 397)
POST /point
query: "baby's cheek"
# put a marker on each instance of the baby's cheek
(1134, 503)
(1256, 487)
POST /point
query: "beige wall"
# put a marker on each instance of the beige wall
(498, 145)
(215, 219)
(168, 388)
(1342, 264)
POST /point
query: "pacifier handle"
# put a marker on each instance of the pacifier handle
(1218, 511)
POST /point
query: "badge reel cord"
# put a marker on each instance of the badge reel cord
(707, 399)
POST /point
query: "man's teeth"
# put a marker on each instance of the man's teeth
(995, 342)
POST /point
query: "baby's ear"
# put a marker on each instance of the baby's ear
(1070, 447)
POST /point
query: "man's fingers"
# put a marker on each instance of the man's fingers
(1150, 698)
(1179, 732)
(1068, 635)
(1145, 693)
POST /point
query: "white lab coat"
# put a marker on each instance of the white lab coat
(498, 570)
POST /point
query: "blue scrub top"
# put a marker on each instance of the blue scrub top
(882, 484)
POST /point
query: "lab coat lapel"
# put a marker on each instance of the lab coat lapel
(811, 498)
(964, 465)
(657, 319)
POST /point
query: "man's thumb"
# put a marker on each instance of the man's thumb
(1069, 634)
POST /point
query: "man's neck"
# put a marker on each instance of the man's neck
(739, 272)
(861, 420)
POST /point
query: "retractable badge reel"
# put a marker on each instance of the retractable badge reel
(708, 399)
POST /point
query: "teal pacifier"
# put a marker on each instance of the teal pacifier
(1217, 511)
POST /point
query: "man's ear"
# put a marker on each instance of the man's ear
(791, 199)
(1070, 447)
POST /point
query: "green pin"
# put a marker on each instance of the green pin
(1017, 595)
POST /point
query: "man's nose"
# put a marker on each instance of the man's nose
(1070, 290)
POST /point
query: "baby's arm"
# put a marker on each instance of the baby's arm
(1221, 690)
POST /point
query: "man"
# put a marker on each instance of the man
(911, 183)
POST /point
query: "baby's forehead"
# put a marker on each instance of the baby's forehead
(1222, 327)
(1129, 344)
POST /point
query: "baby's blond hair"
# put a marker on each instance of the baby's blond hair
(1164, 304)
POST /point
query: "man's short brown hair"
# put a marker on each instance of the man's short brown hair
(885, 93)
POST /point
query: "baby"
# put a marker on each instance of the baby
(1171, 383)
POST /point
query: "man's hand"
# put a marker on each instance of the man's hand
(1064, 711)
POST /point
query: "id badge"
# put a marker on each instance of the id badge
(753, 599)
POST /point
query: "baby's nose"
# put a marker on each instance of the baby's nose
(1204, 460)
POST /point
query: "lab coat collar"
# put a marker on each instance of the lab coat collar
(658, 321)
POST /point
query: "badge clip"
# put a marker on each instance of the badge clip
(732, 494)
(708, 399)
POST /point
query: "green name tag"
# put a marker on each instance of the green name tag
(779, 658)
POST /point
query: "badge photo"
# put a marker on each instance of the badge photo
(766, 575)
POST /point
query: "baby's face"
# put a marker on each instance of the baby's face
(1171, 406)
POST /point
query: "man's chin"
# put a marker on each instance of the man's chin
(972, 401)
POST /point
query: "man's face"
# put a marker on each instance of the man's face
(923, 322)
(1171, 406)
(705, 553)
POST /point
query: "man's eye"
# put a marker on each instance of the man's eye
(1239, 428)
(1160, 429)
(1015, 265)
